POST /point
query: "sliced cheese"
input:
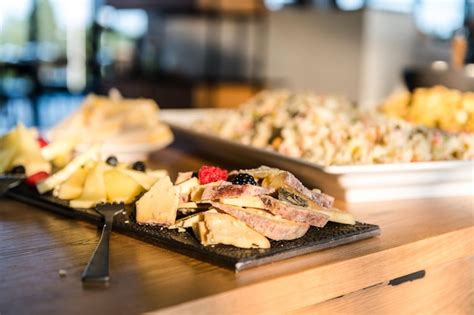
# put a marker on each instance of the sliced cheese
(188, 205)
(82, 204)
(339, 216)
(159, 204)
(220, 228)
(143, 179)
(62, 175)
(58, 148)
(157, 173)
(247, 202)
(196, 191)
(28, 153)
(94, 190)
(8, 148)
(72, 187)
(120, 187)
(186, 187)
(190, 220)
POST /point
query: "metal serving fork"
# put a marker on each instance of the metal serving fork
(97, 270)
(9, 181)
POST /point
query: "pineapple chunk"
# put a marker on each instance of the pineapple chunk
(220, 228)
(72, 187)
(120, 187)
(94, 188)
(160, 204)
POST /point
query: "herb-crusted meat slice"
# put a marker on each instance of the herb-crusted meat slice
(294, 213)
(265, 223)
(234, 191)
(276, 178)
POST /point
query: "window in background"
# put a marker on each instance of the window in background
(13, 29)
(122, 28)
(43, 57)
(439, 18)
(350, 5)
(274, 5)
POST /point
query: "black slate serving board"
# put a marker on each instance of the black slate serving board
(333, 234)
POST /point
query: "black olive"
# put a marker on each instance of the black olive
(139, 166)
(19, 169)
(112, 160)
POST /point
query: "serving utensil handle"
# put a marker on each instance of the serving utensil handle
(97, 270)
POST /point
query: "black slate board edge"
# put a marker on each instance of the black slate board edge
(289, 254)
(185, 244)
(120, 228)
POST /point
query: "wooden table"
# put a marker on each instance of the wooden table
(432, 237)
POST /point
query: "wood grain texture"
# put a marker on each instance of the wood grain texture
(34, 245)
(446, 289)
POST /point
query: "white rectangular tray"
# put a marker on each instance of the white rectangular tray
(352, 183)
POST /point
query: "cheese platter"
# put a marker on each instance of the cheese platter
(237, 219)
(230, 257)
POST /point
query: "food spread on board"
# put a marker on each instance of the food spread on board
(114, 121)
(329, 130)
(243, 208)
(22, 150)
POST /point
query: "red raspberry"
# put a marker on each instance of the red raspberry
(208, 174)
(36, 178)
(42, 143)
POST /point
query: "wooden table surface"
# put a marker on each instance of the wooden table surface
(435, 236)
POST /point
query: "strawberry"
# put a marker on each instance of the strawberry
(42, 142)
(208, 174)
(32, 180)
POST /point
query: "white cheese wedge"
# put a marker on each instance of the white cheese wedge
(159, 204)
(62, 175)
(220, 228)
(247, 202)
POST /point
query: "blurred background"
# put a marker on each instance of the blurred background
(201, 53)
